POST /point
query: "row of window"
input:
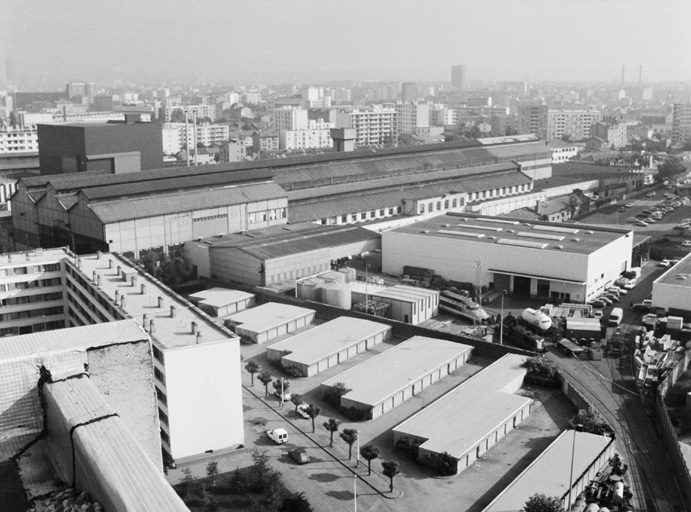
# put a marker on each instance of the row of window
(95, 296)
(447, 204)
(30, 299)
(26, 285)
(31, 313)
(211, 217)
(278, 213)
(31, 269)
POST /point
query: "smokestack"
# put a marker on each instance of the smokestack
(622, 75)
(640, 75)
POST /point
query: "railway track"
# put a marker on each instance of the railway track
(610, 387)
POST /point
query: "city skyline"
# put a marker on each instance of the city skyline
(267, 41)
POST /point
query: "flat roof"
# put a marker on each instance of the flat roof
(327, 339)
(22, 259)
(464, 416)
(678, 275)
(515, 232)
(219, 297)
(398, 292)
(549, 474)
(267, 316)
(395, 369)
(170, 332)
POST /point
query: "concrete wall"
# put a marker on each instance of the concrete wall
(204, 398)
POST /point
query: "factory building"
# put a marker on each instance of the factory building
(269, 321)
(566, 262)
(672, 290)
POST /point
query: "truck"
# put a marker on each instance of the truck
(615, 342)
(537, 318)
(278, 435)
(615, 316)
(521, 336)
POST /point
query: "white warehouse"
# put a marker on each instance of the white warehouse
(557, 261)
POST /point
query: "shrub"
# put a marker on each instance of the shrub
(541, 367)
(591, 421)
(408, 446)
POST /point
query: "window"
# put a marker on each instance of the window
(344, 219)
(252, 218)
(163, 416)
(422, 208)
(446, 204)
(390, 211)
(453, 203)
(353, 217)
(162, 396)
(439, 205)
(363, 216)
(159, 375)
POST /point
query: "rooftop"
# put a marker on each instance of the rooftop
(328, 339)
(384, 375)
(464, 416)
(268, 316)
(399, 292)
(219, 297)
(678, 275)
(516, 232)
(154, 304)
(549, 473)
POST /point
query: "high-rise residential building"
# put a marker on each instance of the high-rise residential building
(316, 136)
(613, 133)
(681, 123)
(572, 123)
(458, 76)
(532, 119)
(412, 117)
(18, 140)
(201, 111)
(409, 92)
(374, 126)
(83, 90)
(289, 118)
(176, 137)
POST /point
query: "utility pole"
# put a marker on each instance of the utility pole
(478, 287)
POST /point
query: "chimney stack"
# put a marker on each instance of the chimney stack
(194, 327)
(160, 302)
(122, 301)
(117, 296)
(172, 311)
(144, 321)
(198, 335)
(151, 326)
(143, 288)
(110, 263)
(134, 280)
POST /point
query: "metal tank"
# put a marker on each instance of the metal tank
(309, 289)
(337, 294)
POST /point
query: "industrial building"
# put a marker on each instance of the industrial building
(572, 460)
(278, 255)
(672, 290)
(269, 321)
(398, 374)
(221, 302)
(567, 262)
(156, 210)
(54, 289)
(111, 148)
(471, 418)
(78, 407)
(328, 344)
(407, 304)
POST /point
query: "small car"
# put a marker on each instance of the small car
(605, 299)
(302, 411)
(641, 224)
(632, 219)
(665, 263)
(299, 455)
(286, 395)
(597, 313)
(598, 304)
(686, 243)
(628, 205)
(278, 435)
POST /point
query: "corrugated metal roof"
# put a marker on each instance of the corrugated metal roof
(384, 375)
(142, 207)
(121, 475)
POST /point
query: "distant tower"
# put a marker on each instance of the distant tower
(458, 76)
(622, 75)
(640, 75)
(409, 92)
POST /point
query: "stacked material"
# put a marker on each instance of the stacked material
(69, 500)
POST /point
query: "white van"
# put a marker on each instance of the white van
(278, 436)
(615, 317)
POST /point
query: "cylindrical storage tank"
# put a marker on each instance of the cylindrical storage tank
(337, 295)
(309, 289)
(333, 277)
(350, 274)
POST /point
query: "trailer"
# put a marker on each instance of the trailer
(520, 335)
(462, 306)
(570, 347)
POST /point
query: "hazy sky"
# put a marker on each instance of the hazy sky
(302, 40)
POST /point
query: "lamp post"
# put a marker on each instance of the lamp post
(366, 284)
(355, 492)
(357, 463)
(577, 428)
(501, 320)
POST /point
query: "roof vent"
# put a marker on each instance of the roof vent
(575, 239)
(682, 277)
(590, 232)
(510, 230)
(447, 225)
(560, 247)
(425, 231)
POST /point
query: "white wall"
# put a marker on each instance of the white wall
(204, 395)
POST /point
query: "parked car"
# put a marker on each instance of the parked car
(286, 395)
(665, 263)
(597, 313)
(299, 455)
(641, 224)
(605, 299)
(302, 411)
(686, 243)
(630, 284)
(681, 227)
(632, 219)
(628, 205)
(598, 304)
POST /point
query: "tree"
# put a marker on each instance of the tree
(188, 481)
(265, 378)
(296, 398)
(369, 452)
(252, 368)
(590, 421)
(177, 116)
(295, 502)
(212, 472)
(350, 435)
(541, 503)
(281, 382)
(390, 469)
(313, 411)
(332, 425)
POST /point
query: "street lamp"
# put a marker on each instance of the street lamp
(354, 492)
(577, 428)
(501, 320)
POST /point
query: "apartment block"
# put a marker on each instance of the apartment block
(290, 118)
(572, 123)
(613, 133)
(533, 119)
(374, 126)
(412, 117)
(316, 136)
(18, 140)
(681, 123)
(176, 136)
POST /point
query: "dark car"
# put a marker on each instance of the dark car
(299, 455)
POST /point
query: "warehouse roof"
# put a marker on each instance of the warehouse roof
(382, 376)
(467, 414)
(548, 474)
(328, 339)
(219, 297)
(514, 232)
(141, 207)
(268, 316)
(398, 292)
(678, 275)
(283, 241)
